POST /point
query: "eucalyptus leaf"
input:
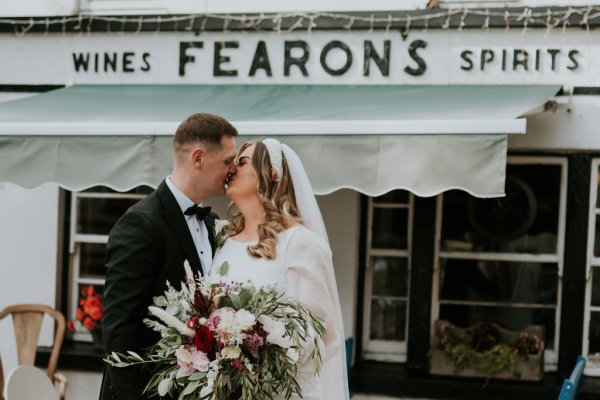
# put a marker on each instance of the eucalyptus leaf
(191, 387)
(235, 300)
(195, 376)
(224, 269)
(245, 298)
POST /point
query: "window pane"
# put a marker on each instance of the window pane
(97, 216)
(597, 238)
(92, 260)
(511, 318)
(598, 189)
(390, 276)
(517, 282)
(595, 286)
(390, 228)
(388, 319)
(524, 221)
(594, 337)
(395, 196)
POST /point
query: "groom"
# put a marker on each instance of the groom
(148, 245)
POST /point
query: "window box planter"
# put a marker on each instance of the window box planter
(487, 351)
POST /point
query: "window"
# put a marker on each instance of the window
(500, 260)
(591, 329)
(93, 214)
(387, 276)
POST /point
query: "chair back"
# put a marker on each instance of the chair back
(27, 323)
(571, 386)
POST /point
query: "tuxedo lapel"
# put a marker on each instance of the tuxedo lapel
(176, 222)
(210, 226)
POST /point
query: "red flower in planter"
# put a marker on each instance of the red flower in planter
(89, 311)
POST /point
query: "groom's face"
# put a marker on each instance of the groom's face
(219, 165)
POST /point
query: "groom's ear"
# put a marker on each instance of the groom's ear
(198, 155)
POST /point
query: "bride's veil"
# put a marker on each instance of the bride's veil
(334, 375)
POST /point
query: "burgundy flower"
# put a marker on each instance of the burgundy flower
(204, 340)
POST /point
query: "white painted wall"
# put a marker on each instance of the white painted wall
(573, 125)
(28, 254)
(42, 8)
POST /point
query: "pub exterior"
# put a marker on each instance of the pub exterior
(454, 150)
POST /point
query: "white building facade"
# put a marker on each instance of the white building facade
(421, 115)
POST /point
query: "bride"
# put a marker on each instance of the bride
(277, 236)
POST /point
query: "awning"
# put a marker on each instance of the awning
(426, 139)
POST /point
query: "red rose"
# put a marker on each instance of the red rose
(90, 290)
(79, 314)
(71, 326)
(89, 324)
(204, 340)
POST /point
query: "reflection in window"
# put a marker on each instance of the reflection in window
(525, 221)
(499, 258)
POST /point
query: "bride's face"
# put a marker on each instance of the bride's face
(244, 183)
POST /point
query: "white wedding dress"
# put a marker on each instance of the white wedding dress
(303, 270)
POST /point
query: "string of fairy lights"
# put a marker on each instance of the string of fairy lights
(435, 19)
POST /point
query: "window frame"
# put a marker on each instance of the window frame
(385, 350)
(550, 356)
(75, 239)
(592, 367)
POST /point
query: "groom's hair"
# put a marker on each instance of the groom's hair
(202, 128)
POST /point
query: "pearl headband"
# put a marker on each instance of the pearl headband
(275, 156)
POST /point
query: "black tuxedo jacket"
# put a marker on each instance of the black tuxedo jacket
(146, 248)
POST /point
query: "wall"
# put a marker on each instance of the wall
(28, 254)
(573, 125)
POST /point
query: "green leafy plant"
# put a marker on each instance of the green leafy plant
(483, 347)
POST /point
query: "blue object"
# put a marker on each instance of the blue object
(348, 353)
(571, 385)
(349, 357)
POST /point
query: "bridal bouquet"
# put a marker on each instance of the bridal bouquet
(227, 341)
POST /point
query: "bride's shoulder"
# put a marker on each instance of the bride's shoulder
(300, 235)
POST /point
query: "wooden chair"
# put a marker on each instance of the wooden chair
(27, 322)
(571, 386)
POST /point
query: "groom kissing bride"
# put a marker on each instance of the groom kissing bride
(275, 235)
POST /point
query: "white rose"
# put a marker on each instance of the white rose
(231, 352)
(277, 335)
(220, 224)
(293, 355)
(163, 387)
(267, 322)
(245, 319)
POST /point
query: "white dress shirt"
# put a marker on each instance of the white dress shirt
(197, 229)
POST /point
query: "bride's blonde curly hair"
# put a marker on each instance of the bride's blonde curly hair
(277, 198)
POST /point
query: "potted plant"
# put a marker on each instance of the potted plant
(89, 315)
(487, 350)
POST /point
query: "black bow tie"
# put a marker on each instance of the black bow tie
(199, 211)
